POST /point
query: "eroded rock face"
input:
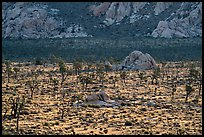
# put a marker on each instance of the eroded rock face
(185, 19)
(98, 10)
(161, 6)
(116, 11)
(137, 61)
(157, 19)
(189, 25)
(35, 20)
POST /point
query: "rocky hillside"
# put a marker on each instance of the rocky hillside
(36, 20)
(82, 19)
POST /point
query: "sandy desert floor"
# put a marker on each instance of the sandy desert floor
(143, 111)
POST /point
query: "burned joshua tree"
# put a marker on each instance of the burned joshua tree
(85, 80)
(17, 104)
(32, 84)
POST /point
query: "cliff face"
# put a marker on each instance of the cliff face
(50, 20)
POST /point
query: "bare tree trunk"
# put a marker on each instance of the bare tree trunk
(17, 122)
(62, 114)
(8, 75)
(32, 91)
(200, 84)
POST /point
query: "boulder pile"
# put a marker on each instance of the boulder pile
(136, 61)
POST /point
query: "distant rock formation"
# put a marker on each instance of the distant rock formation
(116, 11)
(185, 21)
(49, 20)
(161, 6)
(35, 20)
(98, 10)
(137, 61)
(189, 25)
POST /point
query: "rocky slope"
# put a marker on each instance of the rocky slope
(184, 21)
(34, 20)
(188, 25)
(82, 19)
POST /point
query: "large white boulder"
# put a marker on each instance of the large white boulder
(137, 61)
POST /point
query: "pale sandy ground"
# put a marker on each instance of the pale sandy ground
(168, 117)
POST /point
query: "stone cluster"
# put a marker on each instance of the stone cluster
(136, 61)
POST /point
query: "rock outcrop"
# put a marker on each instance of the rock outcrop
(35, 20)
(185, 21)
(161, 6)
(54, 20)
(102, 96)
(183, 25)
(117, 11)
(101, 99)
(107, 63)
(98, 10)
(137, 61)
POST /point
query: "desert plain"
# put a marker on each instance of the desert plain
(147, 106)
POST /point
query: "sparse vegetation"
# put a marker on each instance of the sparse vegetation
(42, 96)
(48, 105)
